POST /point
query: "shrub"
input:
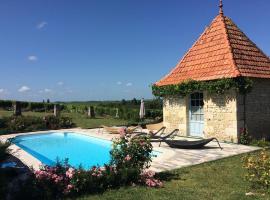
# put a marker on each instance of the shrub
(53, 122)
(30, 123)
(258, 169)
(131, 153)
(24, 123)
(51, 182)
(65, 122)
(2, 123)
(244, 136)
(260, 143)
(4, 150)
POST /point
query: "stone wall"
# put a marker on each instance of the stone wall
(257, 109)
(175, 114)
(220, 119)
(220, 116)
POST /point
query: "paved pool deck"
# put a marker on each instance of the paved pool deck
(168, 159)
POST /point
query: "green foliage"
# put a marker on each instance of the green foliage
(53, 122)
(30, 106)
(241, 84)
(258, 169)
(244, 137)
(31, 123)
(65, 122)
(4, 150)
(260, 143)
(131, 153)
(24, 124)
(2, 123)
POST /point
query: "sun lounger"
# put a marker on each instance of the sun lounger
(159, 138)
(116, 130)
(184, 144)
(151, 134)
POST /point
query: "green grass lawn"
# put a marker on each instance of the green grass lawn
(222, 179)
(79, 119)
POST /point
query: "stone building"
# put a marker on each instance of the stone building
(222, 51)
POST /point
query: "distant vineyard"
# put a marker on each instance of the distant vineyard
(125, 109)
(30, 106)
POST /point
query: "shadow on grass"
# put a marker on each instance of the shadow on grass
(170, 175)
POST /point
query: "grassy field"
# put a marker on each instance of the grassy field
(222, 179)
(79, 119)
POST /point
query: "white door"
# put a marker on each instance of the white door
(196, 115)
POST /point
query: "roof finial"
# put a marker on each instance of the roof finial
(220, 7)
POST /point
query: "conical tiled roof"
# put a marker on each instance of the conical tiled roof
(222, 51)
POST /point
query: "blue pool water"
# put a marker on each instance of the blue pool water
(78, 148)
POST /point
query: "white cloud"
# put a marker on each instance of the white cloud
(42, 25)
(2, 90)
(129, 84)
(32, 58)
(24, 89)
(46, 90)
(60, 83)
(119, 83)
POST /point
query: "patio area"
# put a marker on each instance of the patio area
(168, 159)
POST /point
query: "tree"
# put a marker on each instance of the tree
(134, 101)
(124, 102)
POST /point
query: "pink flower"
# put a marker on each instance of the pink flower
(58, 179)
(54, 176)
(147, 177)
(153, 183)
(122, 132)
(70, 172)
(128, 157)
(69, 187)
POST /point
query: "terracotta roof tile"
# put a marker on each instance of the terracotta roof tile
(222, 51)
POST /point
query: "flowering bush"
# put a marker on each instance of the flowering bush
(148, 178)
(244, 136)
(132, 152)
(258, 169)
(55, 181)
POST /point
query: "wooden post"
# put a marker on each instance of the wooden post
(117, 113)
(55, 110)
(17, 108)
(91, 112)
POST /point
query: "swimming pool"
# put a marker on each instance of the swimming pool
(78, 148)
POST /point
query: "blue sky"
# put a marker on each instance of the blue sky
(106, 49)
